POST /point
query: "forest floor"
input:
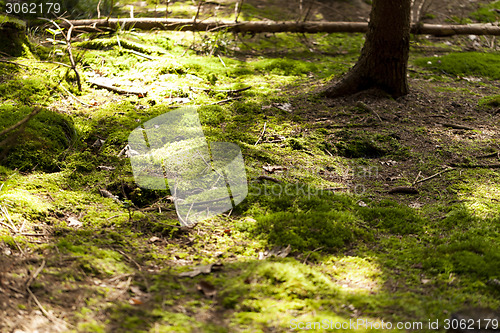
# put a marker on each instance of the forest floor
(386, 209)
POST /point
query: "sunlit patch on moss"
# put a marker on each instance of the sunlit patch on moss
(465, 63)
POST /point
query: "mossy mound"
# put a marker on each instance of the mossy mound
(465, 64)
(307, 221)
(394, 218)
(13, 40)
(45, 137)
(354, 145)
(490, 101)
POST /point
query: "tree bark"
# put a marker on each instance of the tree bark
(384, 56)
(270, 26)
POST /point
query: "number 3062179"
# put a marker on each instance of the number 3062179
(32, 8)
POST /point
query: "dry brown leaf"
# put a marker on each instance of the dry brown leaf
(135, 301)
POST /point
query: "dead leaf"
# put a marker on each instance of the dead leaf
(74, 222)
(388, 163)
(135, 301)
(107, 168)
(136, 290)
(274, 168)
(206, 288)
(154, 239)
(280, 252)
(275, 138)
(283, 106)
(202, 269)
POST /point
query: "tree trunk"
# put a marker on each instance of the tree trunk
(384, 56)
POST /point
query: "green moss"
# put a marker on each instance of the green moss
(467, 254)
(13, 39)
(487, 13)
(307, 230)
(309, 220)
(351, 144)
(106, 44)
(490, 101)
(465, 63)
(94, 260)
(46, 136)
(285, 66)
(392, 217)
(26, 90)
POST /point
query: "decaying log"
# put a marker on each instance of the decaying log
(271, 26)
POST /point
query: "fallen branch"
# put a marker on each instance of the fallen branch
(476, 166)
(229, 91)
(433, 176)
(12, 63)
(274, 180)
(494, 154)
(455, 126)
(141, 93)
(225, 100)
(403, 190)
(271, 26)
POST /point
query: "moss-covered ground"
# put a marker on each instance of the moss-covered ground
(357, 250)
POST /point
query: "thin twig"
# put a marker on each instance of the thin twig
(494, 154)
(367, 108)
(54, 62)
(70, 53)
(474, 166)
(274, 180)
(35, 274)
(416, 178)
(228, 91)
(261, 134)
(237, 10)
(198, 11)
(308, 11)
(49, 316)
(430, 177)
(142, 93)
(7, 226)
(74, 97)
(12, 63)
(456, 126)
(319, 248)
(225, 100)
(329, 152)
